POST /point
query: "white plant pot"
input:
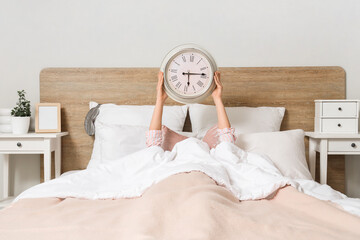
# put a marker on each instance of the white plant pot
(20, 125)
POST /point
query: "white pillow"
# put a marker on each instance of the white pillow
(286, 149)
(116, 141)
(243, 119)
(133, 115)
(113, 141)
(120, 130)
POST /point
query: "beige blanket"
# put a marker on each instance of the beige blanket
(184, 206)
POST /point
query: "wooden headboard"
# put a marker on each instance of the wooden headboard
(294, 88)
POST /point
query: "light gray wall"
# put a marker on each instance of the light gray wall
(94, 33)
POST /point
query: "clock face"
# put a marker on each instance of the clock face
(189, 73)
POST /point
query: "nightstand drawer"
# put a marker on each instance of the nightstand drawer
(344, 145)
(339, 125)
(21, 145)
(339, 109)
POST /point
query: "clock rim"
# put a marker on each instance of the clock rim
(167, 66)
(181, 98)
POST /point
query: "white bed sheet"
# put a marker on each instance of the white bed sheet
(248, 176)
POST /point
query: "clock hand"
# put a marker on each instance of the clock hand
(189, 73)
(188, 83)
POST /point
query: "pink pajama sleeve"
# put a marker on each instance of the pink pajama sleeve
(226, 135)
(153, 138)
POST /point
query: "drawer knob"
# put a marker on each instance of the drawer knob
(340, 109)
(353, 145)
(18, 144)
(339, 125)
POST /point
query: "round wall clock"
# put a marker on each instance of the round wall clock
(188, 73)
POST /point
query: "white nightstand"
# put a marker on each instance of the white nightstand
(330, 144)
(30, 143)
(337, 116)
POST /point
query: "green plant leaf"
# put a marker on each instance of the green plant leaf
(22, 108)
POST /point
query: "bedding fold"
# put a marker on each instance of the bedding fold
(248, 176)
(182, 206)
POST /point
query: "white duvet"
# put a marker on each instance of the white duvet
(247, 175)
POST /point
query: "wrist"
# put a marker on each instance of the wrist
(160, 101)
(218, 101)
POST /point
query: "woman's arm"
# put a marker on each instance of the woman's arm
(161, 96)
(225, 132)
(154, 135)
(223, 121)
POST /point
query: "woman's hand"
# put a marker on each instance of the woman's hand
(216, 94)
(161, 94)
(223, 120)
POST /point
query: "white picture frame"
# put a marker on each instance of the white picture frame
(48, 118)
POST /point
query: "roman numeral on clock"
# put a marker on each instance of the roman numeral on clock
(192, 58)
(186, 88)
(178, 85)
(173, 70)
(194, 88)
(200, 83)
(203, 68)
(174, 78)
(183, 58)
(203, 76)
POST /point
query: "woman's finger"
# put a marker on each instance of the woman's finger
(160, 79)
(160, 75)
(218, 79)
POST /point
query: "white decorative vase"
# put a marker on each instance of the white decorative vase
(20, 125)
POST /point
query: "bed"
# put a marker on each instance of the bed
(188, 199)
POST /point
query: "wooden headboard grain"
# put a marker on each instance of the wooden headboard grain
(294, 88)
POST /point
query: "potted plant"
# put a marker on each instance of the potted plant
(21, 115)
